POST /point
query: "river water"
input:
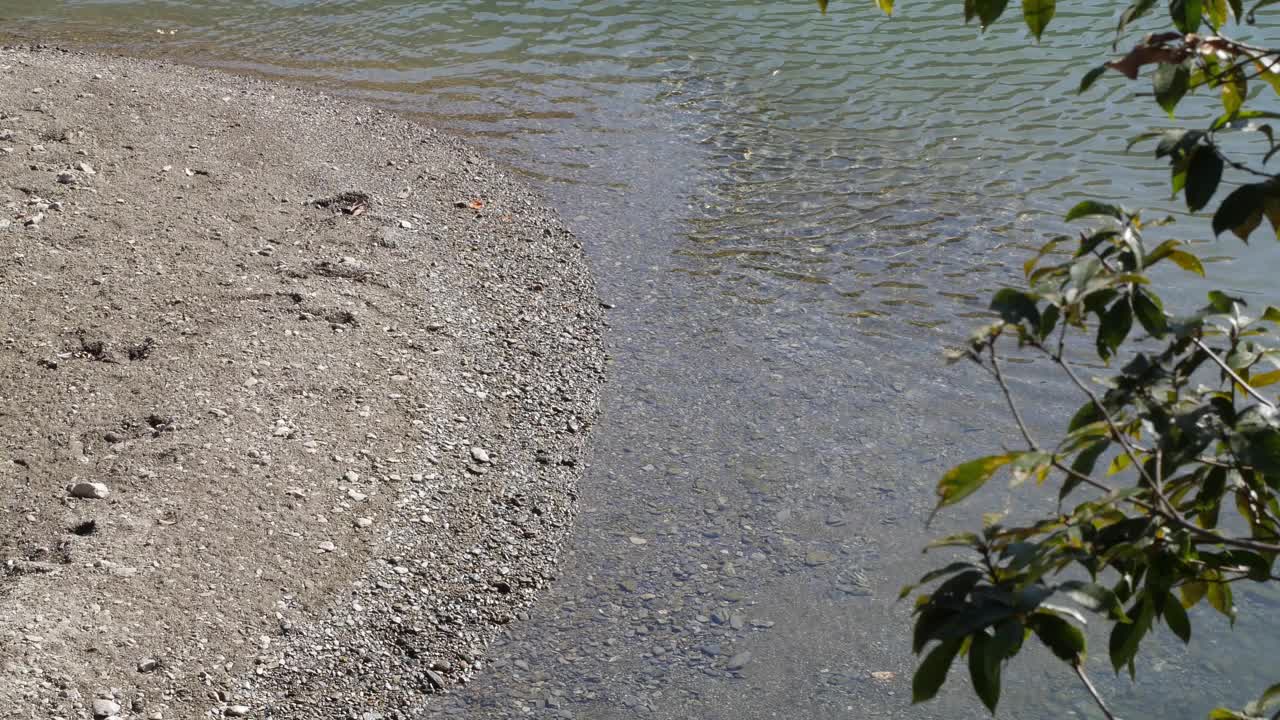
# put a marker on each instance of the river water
(793, 215)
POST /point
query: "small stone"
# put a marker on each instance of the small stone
(66, 178)
(436, 679)
(357, 496)
(739, 661)
(147, 665)
(86, 168)
(236, 710)
(883, 675)
(327, 546)
(351, 476)
(88, 490)
(112, 436)
(406, 225)
(34, 220)
(480, 455)
(814, 558)
(737, 621)
(105, 708)
(638, 540)
(364, 522)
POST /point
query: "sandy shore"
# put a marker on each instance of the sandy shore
(293, 397)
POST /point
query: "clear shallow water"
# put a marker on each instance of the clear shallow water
(793, 214)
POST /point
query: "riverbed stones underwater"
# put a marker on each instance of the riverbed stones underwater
(295, 395)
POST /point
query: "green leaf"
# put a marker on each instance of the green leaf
(1187, 261)
(933, 671)
(1037, 14)
(1094, 597)
(1224, 303)
(1222, 599)
(1150, 313)
(1083, 465)
(1089, 208)
(989, 11)
(1192, 593)
(1270, 698)
(1186, 14)
(1170, 83)
(1216, 10)
(1241, 211)
(1204, 171)
(1125, 637)
(1175, 616)
(1114, 328)
(963, 480)
(984, 669)
(1016, 306)
(1061, 637)
(1090, 78)
(1235, 88)
(1086, 415)
(969, 540)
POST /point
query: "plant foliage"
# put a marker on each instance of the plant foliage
(1168, 474)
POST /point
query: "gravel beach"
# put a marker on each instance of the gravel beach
(294, 395)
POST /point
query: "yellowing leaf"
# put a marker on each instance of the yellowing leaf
(1234, 90)
(886, 6)
(1187, 261)
(963, 480)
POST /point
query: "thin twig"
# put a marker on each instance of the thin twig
(1164, 507)
(1008, 397)
(1079, 668)
(1227, 369)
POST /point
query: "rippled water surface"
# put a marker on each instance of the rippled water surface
(793, 214)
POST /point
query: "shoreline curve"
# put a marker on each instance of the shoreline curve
(294, 397)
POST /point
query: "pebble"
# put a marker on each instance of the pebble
(66, 178)
(480, 455)
(406, 225)
(86, 168)
(739, 661)
(364, 522)
(147, 665)
(351, 476)
(105, 708)
(88, 490)
(236, 711)
(327, 546)
(814, 558)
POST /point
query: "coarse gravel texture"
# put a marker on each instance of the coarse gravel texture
(294, 395)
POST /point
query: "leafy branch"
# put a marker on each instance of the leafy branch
(1179, 447)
